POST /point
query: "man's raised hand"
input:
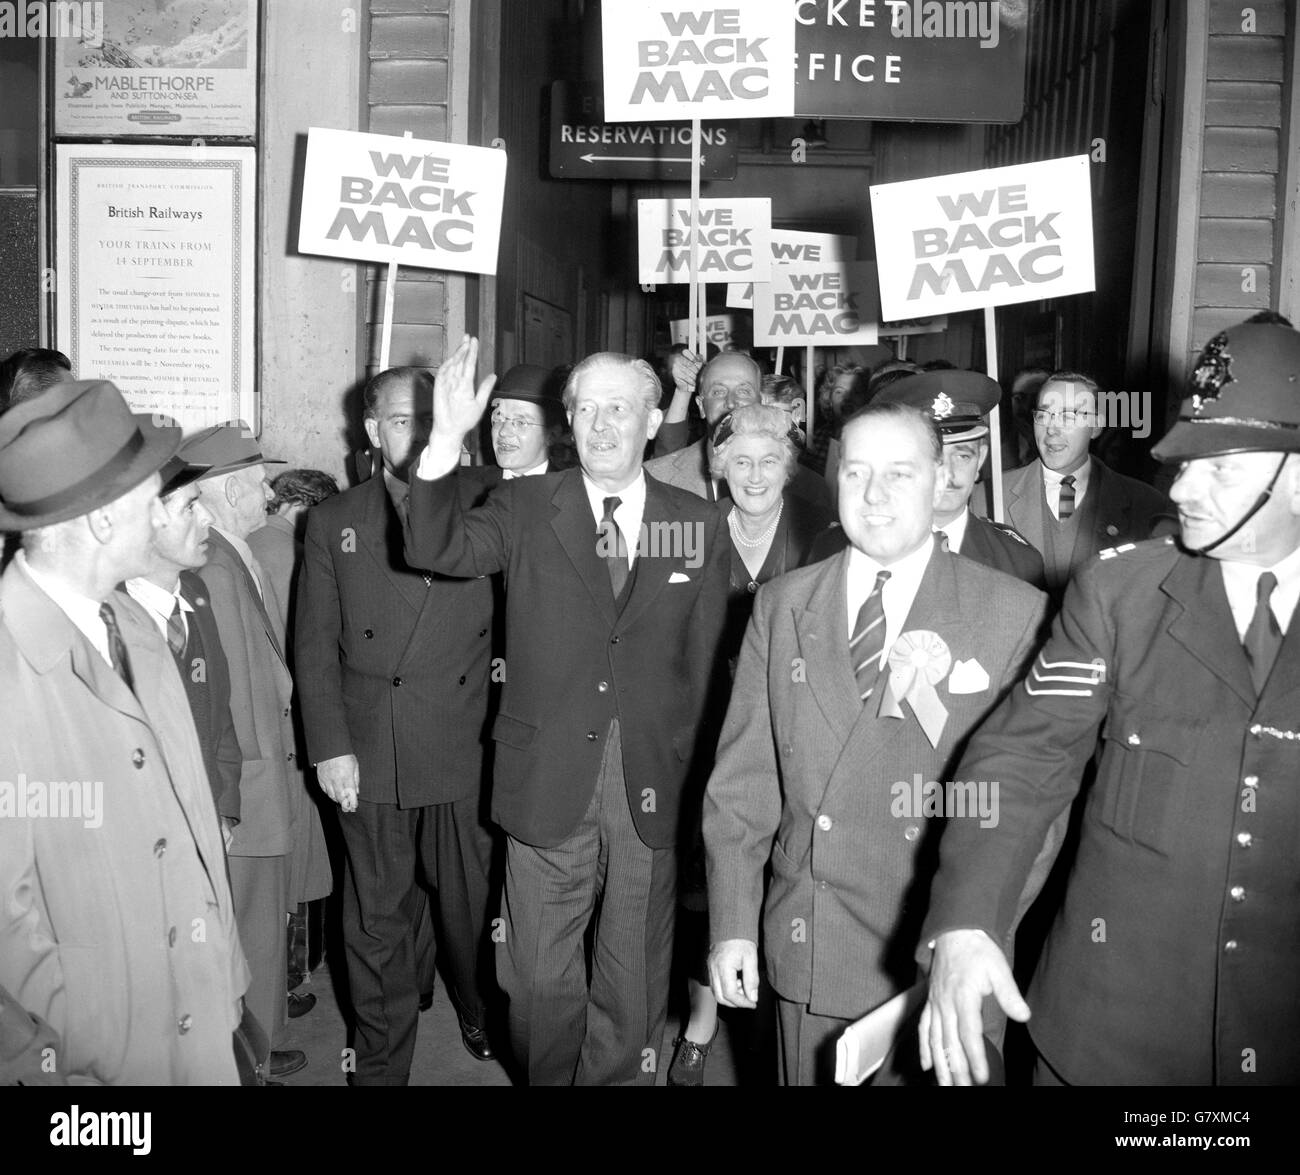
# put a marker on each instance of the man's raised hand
(457, 407)
(967, 967)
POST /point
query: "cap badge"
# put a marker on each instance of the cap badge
(1212, 374)
(942, 407)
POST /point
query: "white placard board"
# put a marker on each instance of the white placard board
(734, 240)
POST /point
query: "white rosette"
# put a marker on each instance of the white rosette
(918, 662)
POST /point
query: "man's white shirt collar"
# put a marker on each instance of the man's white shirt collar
(900, 589)
(159, 602)
(630, 512)
(83, 612)
(1240, 581)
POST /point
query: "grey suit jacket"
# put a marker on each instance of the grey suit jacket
(814, 782)
(688, 469)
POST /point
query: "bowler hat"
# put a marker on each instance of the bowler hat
(527, 381)
(958, 401)
(74, 448)
(1245, 396)
(224, 448)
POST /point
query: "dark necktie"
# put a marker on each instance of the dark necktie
(612, 550)
(117, 647)
(176, 630)
(868, 640)
(1264, 636)
(1066, 506)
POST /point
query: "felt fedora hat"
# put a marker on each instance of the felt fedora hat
(74, 448)
(224, 448)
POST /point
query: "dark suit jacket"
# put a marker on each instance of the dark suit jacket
(393, 665)
(814, 782)
(574, 662)
(219, 741)
(1169, 832)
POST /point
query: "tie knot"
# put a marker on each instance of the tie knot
(1264, 587)
(107, 616)
(1068, 480)
(611, 504)
(881, 578)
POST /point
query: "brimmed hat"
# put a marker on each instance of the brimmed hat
(224, 448)
(74, 448)
(958, 401)
(1245, 396)
(527, 381)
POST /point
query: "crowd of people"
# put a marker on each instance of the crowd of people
(666, 688)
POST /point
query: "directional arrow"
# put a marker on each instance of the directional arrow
(637, 159)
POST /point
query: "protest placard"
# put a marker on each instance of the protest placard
(733, 240)
(984, 238)
(401, 200)
(795, 248)
(719, 330)
(665, 60)
(831, 304)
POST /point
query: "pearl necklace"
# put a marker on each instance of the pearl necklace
(764, 538)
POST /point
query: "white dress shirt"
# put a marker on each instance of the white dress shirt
(245, 552)
(628, 516)
(1240, 581)
(83, 612)
(536, 471)
(896, 596)
(956, 531)
(159, 603)
(1052, 486)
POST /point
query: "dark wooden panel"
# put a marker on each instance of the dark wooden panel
(413, 82)
(1240, 149)
(1208, 321)
(382, 7)
(1242, 241)
(1255, 104)
(1220, 285)
(408, 36)
(1270, 16)
(1249, 58)
(1238, 195)
(424, 122)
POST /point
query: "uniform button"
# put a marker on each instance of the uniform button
(171, 937)
(369, 634)
(462, 679)
(184, 1024)
(615, 640)
(397, 681)
(824, 822)
(1134, 740)
(1230, 945)
(591, 736)
(1251, 781)
(911, 832)
(1244, 839)
(1238, 893)
(160, 846)
(137, 757)
(603, 687)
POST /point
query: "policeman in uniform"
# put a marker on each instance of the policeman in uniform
(959, 403)
(1176, 956)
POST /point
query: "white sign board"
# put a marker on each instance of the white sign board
(795, 248)
(734, 240)
(817, 305)
(414, 201)
(719, 329)
(665, 60)
(984, 238)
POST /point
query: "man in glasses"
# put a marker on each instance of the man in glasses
(1067, 503)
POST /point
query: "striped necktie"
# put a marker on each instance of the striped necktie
(1066, 505)
(176, 630)
(868, 640)
(1264, 636)
(117, 647)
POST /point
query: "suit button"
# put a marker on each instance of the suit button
(462, 679)
(369, 634)
(160, 846)
(1251, 781)
(286, 711)
(184, 1024)
(482, 632)
(789, 750)
(137, 757)
(1244, 839)
(1134, 740)
(824, 822)
(615, 640)
(171, 937)
(592, 736)
(397, 681)
(1230, 945)
(290, 757)
(911, 832)
(1238, 893)
(603, 687)
(753, 587)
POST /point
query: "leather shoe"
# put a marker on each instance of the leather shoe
(287, 1062)
(476, 1041)
(687, 1066)
(300, 1003)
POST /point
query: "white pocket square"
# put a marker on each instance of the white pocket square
(678, 577)
(968, 677)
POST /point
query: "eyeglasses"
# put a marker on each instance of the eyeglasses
(1068, 419)
(740, 395)
(500, 421)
